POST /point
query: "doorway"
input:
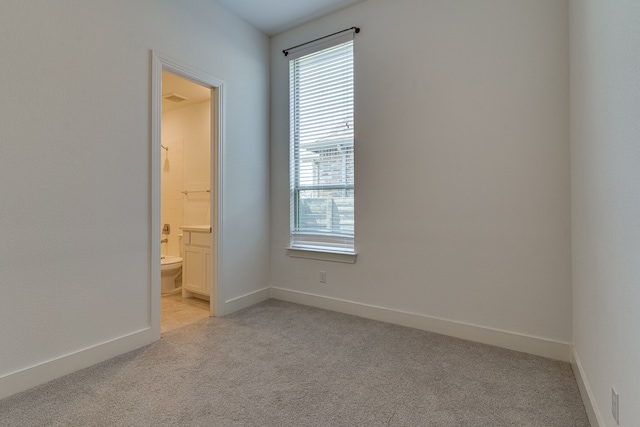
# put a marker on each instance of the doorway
(185, 247)
(185, 195)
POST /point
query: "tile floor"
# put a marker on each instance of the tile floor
(176, 311)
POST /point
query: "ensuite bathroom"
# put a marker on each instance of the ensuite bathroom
(185, 247)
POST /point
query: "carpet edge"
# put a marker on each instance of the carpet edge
(510, 340)
(49, 370)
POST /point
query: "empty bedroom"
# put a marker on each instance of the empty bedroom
(416, 213)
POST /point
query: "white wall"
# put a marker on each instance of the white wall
(186, 132)
(197, 168)
(75, 164)
(605, 164)
(462, 163)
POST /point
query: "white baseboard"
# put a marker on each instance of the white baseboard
(510, 340)
(247, 300)
(39, 374)
(595, 419)
(50, 370)
(27, 378)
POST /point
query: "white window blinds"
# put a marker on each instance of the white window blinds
(321, 150)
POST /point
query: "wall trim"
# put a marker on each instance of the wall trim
(505, 339)
(44, 372)
(595, 419)
(33, 376)
(247, 300)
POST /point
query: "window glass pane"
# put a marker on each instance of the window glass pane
(325, 212)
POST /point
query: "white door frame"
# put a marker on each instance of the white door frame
(160, 63)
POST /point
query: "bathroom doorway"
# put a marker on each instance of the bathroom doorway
(185, 247)
(186, 145)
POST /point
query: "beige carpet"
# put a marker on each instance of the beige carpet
(282, 364)
(176, 311)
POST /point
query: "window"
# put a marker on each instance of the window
(321, 150)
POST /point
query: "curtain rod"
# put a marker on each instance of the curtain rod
(356, 29)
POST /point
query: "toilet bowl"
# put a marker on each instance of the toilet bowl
(170, 268)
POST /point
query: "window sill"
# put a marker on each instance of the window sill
(344, 257)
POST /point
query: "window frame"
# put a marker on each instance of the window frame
(328, 246)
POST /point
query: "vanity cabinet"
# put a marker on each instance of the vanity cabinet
(196, 263)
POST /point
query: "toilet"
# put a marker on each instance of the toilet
(170, 268)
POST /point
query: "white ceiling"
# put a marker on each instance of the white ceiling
(275, 16)
(174, 84)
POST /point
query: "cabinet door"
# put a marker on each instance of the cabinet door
(208, 277)
(193, 274)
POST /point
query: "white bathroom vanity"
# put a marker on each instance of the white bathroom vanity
(197, 263)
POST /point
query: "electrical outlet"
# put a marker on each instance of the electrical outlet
(615, 405)
(323, 277)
